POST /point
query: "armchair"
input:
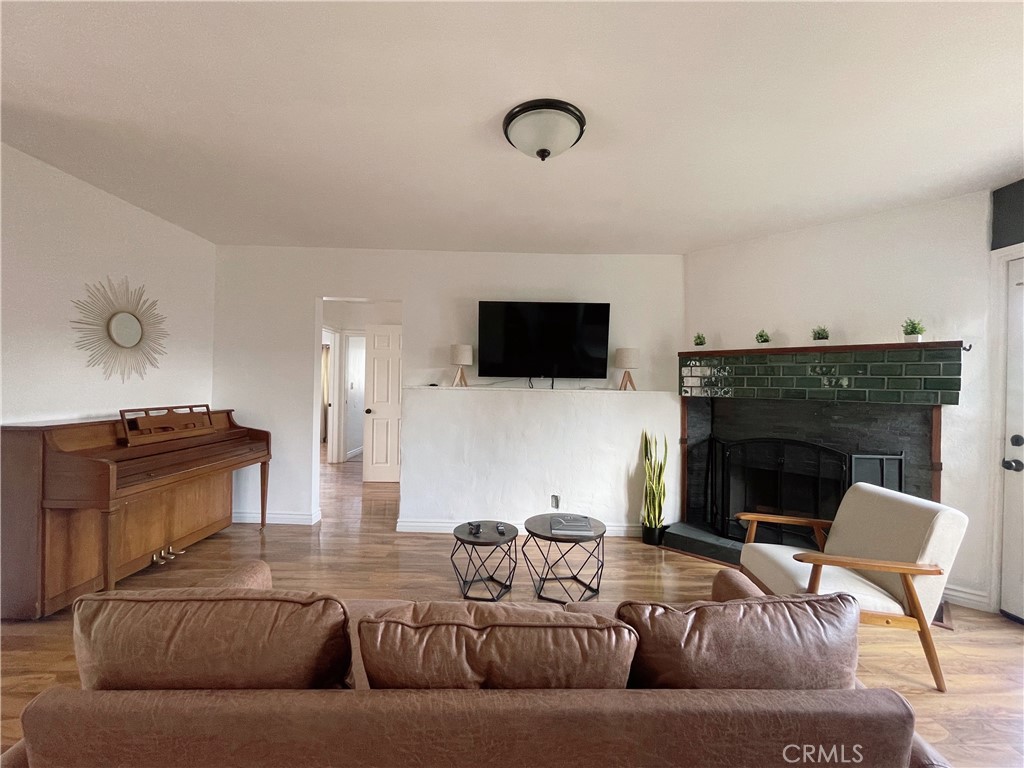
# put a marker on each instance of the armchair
(890, 550)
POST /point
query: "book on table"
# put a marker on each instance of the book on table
(571, 525)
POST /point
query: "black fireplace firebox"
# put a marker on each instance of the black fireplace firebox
(785, 477)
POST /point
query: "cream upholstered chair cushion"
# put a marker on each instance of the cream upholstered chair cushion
(878, 524)
(775, 568)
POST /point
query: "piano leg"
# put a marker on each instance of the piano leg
(264, 476)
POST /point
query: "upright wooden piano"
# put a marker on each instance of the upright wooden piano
(85, 504)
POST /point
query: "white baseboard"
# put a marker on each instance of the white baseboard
(447, 526)
(353, 453)
(970, 598)
(276, 518)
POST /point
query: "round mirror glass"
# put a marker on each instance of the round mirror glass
(124, 329)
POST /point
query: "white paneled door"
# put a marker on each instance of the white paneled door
(1011, 598)
(382, 426)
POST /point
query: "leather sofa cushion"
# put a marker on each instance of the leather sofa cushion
(730, 584)
(488, 645)
(793, 642)
(199, 638)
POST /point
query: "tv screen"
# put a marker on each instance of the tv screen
(552, 339)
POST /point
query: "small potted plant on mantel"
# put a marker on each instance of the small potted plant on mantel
(762, 337)
(652, 518)
(912, 330)
(819, 334)
(699, 340)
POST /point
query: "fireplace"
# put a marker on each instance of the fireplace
(788, 430)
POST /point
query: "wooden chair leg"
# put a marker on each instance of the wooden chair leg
(815, 581)
(751, 531)
(924, 632)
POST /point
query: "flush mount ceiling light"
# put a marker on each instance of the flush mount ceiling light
(544, 127)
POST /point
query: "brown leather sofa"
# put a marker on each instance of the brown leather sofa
(225, 676)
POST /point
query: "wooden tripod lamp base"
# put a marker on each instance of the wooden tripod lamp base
(627, 381)
(460, 379)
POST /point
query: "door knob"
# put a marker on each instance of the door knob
(368, 410)
(1017, 441)
(1014, 465)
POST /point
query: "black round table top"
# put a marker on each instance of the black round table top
(489, 535)
(540, 526)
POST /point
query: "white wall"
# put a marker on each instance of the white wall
(356, 315)
(487, 454)
(60, 233)
(862, 278)
(269, 316)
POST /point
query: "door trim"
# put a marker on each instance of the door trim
(999, 284)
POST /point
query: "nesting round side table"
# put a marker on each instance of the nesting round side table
(564, 568)
(485, 563)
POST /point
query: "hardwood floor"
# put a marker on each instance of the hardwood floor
(355, 552)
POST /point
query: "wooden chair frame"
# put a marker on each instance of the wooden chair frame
(916, 620)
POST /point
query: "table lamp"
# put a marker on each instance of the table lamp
(628, 359)
(461, 354)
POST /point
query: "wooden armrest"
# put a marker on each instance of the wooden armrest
(865, 564)
(758, 517)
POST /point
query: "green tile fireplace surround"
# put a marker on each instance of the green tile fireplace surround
(923, 373)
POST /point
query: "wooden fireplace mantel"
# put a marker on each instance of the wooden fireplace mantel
(769, 349)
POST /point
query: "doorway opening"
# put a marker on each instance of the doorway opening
(360, 381)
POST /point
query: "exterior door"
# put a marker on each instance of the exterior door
(383, 400)
(1011, 598)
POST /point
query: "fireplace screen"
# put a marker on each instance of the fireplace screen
(786, 477)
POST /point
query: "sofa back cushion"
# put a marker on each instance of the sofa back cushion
(488, 645)
(210, 638)
(795, 642)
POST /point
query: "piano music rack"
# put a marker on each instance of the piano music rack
(168, 422)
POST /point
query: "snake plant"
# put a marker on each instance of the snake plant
(654, 482)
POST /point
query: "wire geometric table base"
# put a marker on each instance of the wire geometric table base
(485, 564)
(563, 570)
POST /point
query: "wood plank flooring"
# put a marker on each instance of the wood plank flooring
(355, 552)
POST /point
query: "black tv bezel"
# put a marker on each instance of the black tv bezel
(538, 373)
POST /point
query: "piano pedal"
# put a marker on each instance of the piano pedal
(166, 554)
(171, 551)
(157, 560)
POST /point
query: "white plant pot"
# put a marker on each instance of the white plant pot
(913, 338)
(819, 342)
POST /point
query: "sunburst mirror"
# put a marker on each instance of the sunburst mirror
(120, 329)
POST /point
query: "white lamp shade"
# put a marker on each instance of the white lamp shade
(462, 354)
(627, 358)
(549, 129)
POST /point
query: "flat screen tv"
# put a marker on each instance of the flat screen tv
(550, 339)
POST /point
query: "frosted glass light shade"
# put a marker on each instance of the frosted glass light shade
(462, 354)
(627, 358)
(544, 127)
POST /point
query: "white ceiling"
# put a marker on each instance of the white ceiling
(378, 125)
